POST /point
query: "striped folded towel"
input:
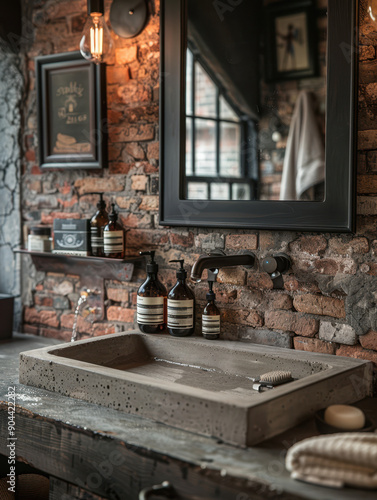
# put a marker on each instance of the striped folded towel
(335, 460)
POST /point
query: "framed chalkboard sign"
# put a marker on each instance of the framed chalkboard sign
(71, 104)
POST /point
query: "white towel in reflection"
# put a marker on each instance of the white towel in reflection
(336, 460)
(304, 161)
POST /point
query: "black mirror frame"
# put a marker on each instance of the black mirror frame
(337, 212)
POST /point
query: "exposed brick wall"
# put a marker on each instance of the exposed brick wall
(11, 91)
(328, 298)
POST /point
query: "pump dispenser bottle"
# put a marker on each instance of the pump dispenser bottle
(151, 300)
(97, 223)
(113, 237)
(211, 316)
(181, 306)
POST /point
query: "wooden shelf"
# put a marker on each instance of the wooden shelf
(102, 267)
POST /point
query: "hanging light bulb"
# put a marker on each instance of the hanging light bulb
(96, 44)
(372, 9)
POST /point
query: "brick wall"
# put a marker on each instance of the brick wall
(328, 303)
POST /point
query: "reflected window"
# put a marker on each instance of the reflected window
(219, 159)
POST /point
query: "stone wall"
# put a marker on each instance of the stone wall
(328, 303)
(11, 92)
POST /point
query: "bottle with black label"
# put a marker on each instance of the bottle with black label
(181, 306)
(113, 237)
(97, 223)
(151, 300)
(211, 317)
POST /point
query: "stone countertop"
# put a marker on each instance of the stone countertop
(262, 465)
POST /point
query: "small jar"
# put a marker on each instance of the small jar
(39, 239)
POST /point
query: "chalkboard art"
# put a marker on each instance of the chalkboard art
(71, 96)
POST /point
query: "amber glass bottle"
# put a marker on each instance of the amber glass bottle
(211, 317)
(181, 306)
(97, 224)
(113, 237)
(151, 300)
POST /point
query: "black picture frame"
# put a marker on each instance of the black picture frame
(337, 213)
(71, 112)
(302, 39)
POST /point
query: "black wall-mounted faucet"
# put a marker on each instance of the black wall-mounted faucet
(275, 266)
(213, 261)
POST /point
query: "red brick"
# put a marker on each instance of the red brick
(149, 202)
(313, 345)
(118, 76)
(48, 219)
(103, 329)
(143, 238)
(43, 300)
(312, 245)
(64, 188)
(132, 133)
(114, 116)
(117, 294)
(120, 314)
(43, 317)
(318, 304)
(260, 281)
(291, 322)
(134, 298)
(67, 320)
(153, 151)
(30, 155)
(139, 182)
(126, 55)
(266, 240)
(366, 52)
(134, 150)
(369, 341)
(31, 329)
(136, 221)
(367, 184)
(99, 185)
(241, 241)
(280, 301)
(332, 267)
(120, 167)
(367, 139)
(185, 239)
(357, 352)
(68, 203)
(356, 245)
(240, 317)
(35, 170)
(232, 276)
(53, 333)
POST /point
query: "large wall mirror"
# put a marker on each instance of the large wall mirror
(257, 113)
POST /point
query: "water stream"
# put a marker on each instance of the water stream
(83, 298)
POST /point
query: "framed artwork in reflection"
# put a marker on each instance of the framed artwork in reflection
(291, 40)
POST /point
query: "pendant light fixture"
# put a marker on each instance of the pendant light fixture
(96, 44)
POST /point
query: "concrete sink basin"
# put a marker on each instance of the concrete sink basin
(195, 384)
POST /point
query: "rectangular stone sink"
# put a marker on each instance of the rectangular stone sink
(195, 384)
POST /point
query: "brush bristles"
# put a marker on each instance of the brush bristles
(275, 377)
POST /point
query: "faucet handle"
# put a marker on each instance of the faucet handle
(276, 264)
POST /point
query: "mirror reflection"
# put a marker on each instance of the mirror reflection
(255, 100)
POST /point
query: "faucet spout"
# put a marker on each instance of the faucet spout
(219, 261)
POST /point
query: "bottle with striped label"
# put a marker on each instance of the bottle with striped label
(211, 317)
(151, 300)
(113, 237)
(181, 306)
(97, 223)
